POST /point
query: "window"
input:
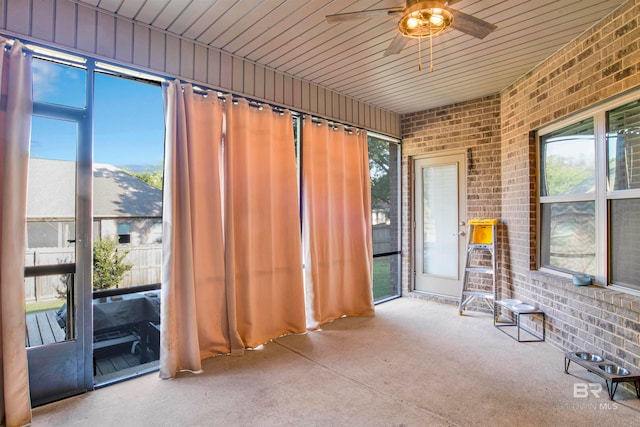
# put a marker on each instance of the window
(567, 198)
(590, 195)
(384, 172)
(623, 196)
(124, 232)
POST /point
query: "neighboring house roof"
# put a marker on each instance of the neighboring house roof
(51, 191)
(585, 186)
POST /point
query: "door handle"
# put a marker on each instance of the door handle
(460, 233)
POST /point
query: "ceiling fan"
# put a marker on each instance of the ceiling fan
(421, 19)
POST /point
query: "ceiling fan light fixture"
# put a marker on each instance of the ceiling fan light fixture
(436, 19)
(424, 22)
(413, 22)
(422, 19)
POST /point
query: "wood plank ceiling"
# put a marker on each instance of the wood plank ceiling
(292, 36)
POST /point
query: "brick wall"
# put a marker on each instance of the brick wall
(600, 64)
(473, 126)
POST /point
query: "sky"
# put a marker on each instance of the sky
(128, 126)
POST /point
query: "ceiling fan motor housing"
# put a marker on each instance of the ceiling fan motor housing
(422, 4)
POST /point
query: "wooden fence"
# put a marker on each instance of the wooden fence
(146, 260)
(382, 239)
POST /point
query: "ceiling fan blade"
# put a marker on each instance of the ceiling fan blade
(364, 14)
(471, 25)
(396, 45)
(452, 2)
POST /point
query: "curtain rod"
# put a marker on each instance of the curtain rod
(335, 125)
(224, 97)
(72, 60)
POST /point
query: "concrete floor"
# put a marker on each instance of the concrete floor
(417, 363)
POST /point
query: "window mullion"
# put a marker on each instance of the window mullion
(565, 198)
(601, 199)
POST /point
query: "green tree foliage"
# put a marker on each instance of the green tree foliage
(563, 177)
(379, 173)
(151, 176)
(109, 266)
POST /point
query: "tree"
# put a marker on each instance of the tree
(379, 173)
(109, 266)
(563, 176)
(151, 176)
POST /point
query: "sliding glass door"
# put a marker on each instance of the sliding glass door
(94, 227)
(58, 255)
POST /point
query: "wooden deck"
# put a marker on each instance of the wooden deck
(118, 362)
(114, 376)
(110, 368)
(43, 328)
(107, 365)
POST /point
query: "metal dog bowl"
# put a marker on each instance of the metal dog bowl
(613, 369)
(589, 357)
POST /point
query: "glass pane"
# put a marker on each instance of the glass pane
(624, 257)
(129, 126)
(440, 184)
(384, 175)
(59, 84)
(386, 277)
(127, 215)
(623, 146)
(126, 337)
(568, 236)
(47, 318)
(51, 210)
(53, 139)
(568, 160)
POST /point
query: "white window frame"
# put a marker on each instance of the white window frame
(602, 193)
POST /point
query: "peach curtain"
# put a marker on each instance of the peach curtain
(195, 322)
(262, 224)
(232, 275)
(336, 223)
(15, 129)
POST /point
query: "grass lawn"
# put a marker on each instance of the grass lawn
(381, 278)
(43, 306)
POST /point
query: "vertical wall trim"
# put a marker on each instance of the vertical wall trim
(269, 84)
(288, 90)
(41, 9)
(237, 72)
(313, 98)
(213, 74)
(18, 16)
(3, 13)
(200, 64)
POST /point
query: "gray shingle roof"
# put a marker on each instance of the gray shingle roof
(116, 193)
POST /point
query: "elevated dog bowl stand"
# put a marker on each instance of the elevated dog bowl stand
(611, 380)
(517, 313)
